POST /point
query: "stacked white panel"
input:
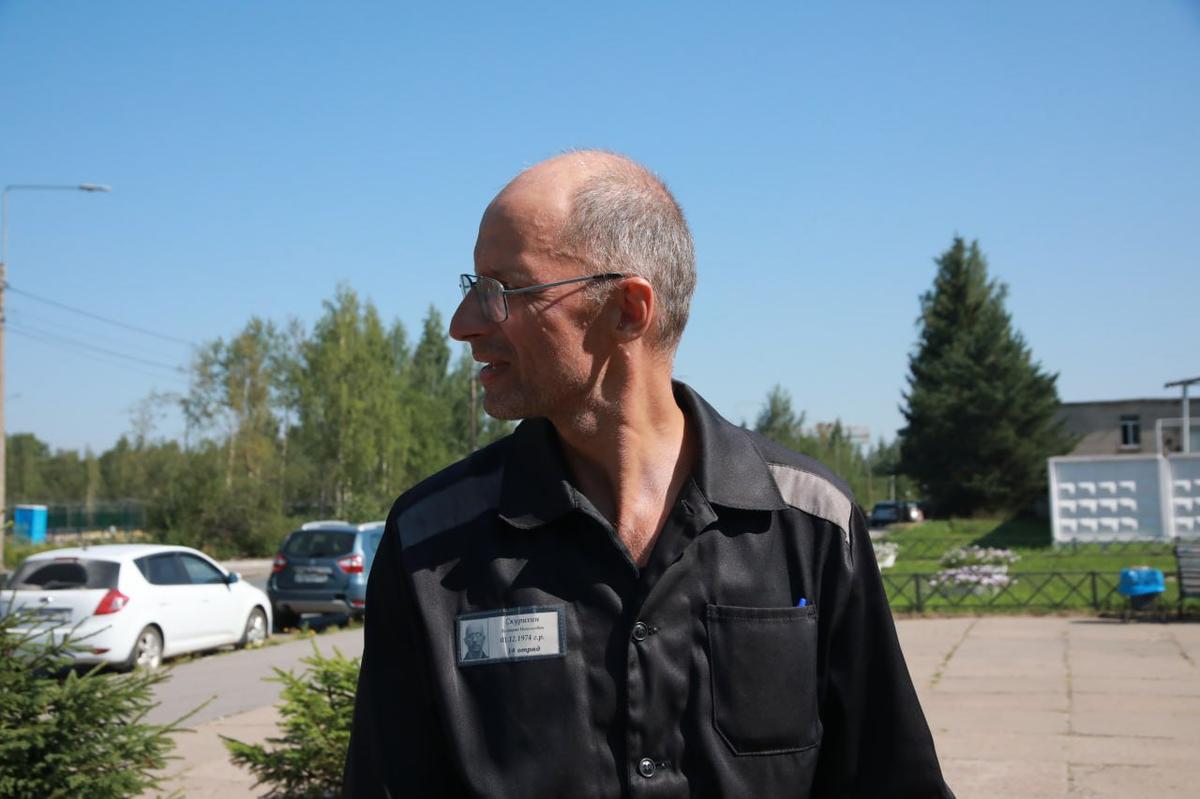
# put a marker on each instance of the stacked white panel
(1185, 495)
(1106, 499)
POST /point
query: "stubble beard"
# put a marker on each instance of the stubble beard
(524, 402)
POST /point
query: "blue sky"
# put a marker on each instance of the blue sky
(260, 153)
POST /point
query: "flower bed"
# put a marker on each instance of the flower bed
(974, 571)
(979, 580)
(978, 556)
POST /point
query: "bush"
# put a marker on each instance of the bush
(66, 733)
(16, 550)
(317, 710)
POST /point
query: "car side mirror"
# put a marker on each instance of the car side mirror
(232, 578)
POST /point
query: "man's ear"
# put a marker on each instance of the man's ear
(636, 305)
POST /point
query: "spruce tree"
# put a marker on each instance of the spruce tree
(981, 413)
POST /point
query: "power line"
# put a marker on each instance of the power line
(94, 356)
(98, 317)
(85, 330)
(30, 330)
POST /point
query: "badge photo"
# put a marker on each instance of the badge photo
(526, 633)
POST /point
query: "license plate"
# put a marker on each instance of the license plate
(52, 615)
(311, 578)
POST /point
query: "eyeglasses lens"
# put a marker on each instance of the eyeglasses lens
(490, 294)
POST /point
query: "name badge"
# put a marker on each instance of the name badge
(510, 634)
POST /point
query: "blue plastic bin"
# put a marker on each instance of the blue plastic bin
(1141, 586)
(1139, 582)
(29, 523)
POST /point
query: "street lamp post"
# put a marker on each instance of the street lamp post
(1187, 410)
(88, 187)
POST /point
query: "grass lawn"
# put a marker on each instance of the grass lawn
(1071, 577)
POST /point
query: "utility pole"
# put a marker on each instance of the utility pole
(88, 187)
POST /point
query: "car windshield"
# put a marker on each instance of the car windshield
(319, 544)
(65, 573)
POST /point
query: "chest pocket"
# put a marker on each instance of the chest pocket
(763, 666)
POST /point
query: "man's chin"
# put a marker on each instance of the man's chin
(508, 409)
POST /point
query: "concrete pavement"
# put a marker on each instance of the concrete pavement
(1019, 706)
(240, 704)
(1058, 707)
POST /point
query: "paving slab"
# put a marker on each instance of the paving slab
(1149, 686)
(1066, 708)
(1140, 723)
(955, 744)
(996, 716)
(1007, 778)
(204, 771)
(988, 702)
(983, 684)
(1108, 701)
(1128, 782)
(1129, 750)
(1007, 628)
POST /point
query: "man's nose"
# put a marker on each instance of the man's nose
(468, 321)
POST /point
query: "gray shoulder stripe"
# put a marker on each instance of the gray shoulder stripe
(444, 510)
(813, 494)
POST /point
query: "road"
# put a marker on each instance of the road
(233, 682)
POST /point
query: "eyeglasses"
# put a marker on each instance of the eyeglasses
(493, 297)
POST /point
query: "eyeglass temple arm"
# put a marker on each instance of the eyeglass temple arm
(540, 286)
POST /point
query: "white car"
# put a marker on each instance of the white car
(132, 605)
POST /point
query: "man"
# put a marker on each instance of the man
(474, 639)
(674, 606)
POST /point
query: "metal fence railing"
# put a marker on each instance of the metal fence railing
(1047, 591)
(934, 548)
(123, 516)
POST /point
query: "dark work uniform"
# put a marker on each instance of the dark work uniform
(700, 674)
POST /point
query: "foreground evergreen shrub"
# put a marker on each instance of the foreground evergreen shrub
(318, 706)
(65, 733)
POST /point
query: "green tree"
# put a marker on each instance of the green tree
(830, 444)
(980, 412)
(27, 456)
(779, 422)
(231, 500)
(318, 707)
(79, 735)
(351, 417)
(430, 397)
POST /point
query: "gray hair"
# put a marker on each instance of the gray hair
(625, 219)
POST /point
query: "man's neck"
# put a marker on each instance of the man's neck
(631, 453)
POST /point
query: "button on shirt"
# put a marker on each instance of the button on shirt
(514, 649)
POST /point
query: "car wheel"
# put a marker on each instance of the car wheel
(256, 629)
(284, 618)
(147, 650)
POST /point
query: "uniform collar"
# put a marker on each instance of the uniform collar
(729, 471)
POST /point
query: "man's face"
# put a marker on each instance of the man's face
(475, 638)
(540, 361)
